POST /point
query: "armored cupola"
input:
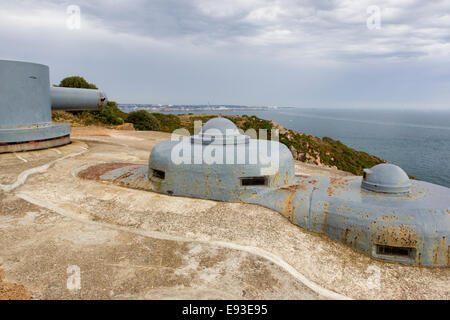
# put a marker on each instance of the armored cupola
(220, 131)
(386, 178)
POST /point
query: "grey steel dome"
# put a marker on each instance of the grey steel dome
(387, 178)
(223, 125)
(220, 131)
(212, 165)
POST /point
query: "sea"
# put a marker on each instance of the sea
(417, 141)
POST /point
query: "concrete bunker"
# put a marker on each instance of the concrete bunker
(26, 104)
(218, 163)
(383, 214)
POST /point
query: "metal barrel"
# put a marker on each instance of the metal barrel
(72, 99)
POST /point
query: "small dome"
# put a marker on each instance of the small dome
(225, 126)
(386, 178)
(220, 131)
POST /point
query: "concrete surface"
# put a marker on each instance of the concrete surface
(131, 244)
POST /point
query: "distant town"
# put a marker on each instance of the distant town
(189, 108)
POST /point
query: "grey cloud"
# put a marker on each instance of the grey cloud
(167, 51)
(326, 22)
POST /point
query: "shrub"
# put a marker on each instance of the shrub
(76, 82)
(168, 122)
(142, 120)
(110, 114)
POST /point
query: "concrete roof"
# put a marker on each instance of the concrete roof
(143, 245)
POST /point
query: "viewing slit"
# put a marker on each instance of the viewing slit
(158, 174)
(254, 181)
(395, 251)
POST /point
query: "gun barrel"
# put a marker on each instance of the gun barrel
(72, 99)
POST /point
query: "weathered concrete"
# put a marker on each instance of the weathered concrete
(383, 214)
(138, 244)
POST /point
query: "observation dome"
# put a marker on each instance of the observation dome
(387, 178)
(220, 131)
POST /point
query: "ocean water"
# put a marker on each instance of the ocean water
(417, 141)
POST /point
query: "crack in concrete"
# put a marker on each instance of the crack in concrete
(23, 176)
(163, 236)
(20, 158)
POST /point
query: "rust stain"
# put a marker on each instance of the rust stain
(389, 219)
(96, 171)
(139, 183)
(11, 291)
(439, 253)
(288, 206)
(124, 176)
(325, 216)
(435, 257)
(401, 236)
(350, 240)
(301, 186)
(345, 235)
(336, 184)
(276, 178)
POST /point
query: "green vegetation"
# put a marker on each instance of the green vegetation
(110, 115)
(307, 148)
(142, 120)
(168, 122)
(76, 82)
(254, 122)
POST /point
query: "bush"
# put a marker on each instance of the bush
(142, 120)
(110, 114)
(168, 122)
(76, 82)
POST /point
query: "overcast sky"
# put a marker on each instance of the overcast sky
(329, 54)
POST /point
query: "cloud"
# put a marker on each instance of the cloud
(189, 43)
(301, 26)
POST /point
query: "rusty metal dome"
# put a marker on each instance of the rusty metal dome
(386, 178)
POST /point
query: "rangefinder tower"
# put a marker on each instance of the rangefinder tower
(26, 102)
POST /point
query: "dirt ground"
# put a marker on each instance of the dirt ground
(67, 238)
(11, 291)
